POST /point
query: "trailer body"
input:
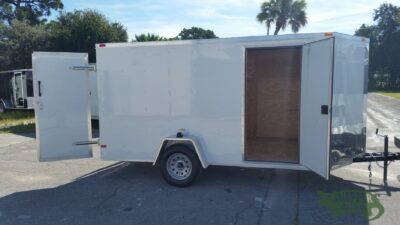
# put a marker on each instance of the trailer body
(16, 89)
(289, 102)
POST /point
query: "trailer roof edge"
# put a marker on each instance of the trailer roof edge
(305, 36)
(10, 71)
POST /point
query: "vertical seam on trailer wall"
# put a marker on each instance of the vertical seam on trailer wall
(244, 102)
(331, 110)
(300, 94)
(88, 108)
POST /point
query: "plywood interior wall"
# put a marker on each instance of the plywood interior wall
(272, 115)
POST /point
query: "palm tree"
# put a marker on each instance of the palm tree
(283, 13)
(148, 37)
(268, 13)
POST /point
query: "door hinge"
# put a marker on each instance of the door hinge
(88, 68)
(95, 142)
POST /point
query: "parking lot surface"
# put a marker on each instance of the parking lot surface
(90, 191)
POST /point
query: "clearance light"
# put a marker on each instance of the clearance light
(102, 45)
(328, 34)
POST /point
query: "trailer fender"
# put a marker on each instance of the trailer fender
(190, 141)
(6, 103)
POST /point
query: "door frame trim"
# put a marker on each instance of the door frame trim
(246, 49)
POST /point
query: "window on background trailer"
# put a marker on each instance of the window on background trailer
(29, 84)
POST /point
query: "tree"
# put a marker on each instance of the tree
(384, 72)
(387, 17)
(4, 54)
(79, 31)
(268, 14)
(283, 13)
(30, 10)
(196, 33)
(18, 42)
(149, 37)
(372, 32)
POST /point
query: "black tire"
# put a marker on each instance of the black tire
(183, 171)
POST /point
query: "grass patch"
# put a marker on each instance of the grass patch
(17, 122)
(21, 128)
(17, 115)
(390, 94)
(24, 122)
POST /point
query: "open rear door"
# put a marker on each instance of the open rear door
(315, 110)
(61, 105)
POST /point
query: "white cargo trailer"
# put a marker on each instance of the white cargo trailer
(286, 102)
(16, 90)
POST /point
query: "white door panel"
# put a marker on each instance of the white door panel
(62, 105)
(315, 92)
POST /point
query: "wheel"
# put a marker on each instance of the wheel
(179, 165)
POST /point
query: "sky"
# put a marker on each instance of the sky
(227, 18)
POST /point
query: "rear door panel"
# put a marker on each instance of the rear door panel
(315, 106)
(61, 105)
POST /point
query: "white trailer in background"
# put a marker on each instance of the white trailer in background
(286, 102)
(16, 90)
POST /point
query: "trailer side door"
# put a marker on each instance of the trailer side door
(317, 66)
(61, 105)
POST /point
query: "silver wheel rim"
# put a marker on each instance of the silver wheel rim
(179, 166)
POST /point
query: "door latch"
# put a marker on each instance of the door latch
(324, 109)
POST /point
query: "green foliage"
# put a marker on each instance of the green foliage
(196, 33)
(185, 34)
(76, 31)
(384, 37)
(173, 38)
(4, 58)
(283, 13)
(149, 37)
(17, 122)
(29, 10)
(19, 128)
(15, 116)
(17, 43)
(390, 94)
(387, 17)
(79, 31)
(268, 14)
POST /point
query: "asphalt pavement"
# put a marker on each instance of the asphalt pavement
(90, 191)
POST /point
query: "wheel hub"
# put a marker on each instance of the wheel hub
(179, 166)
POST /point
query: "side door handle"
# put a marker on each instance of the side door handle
(40, 88)
(324, 109)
